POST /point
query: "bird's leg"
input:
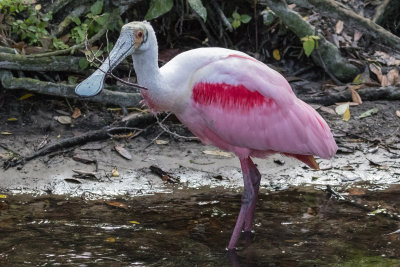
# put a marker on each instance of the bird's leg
(255, 179)
(247, 201)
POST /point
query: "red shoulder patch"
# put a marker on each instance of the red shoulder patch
(228, 96)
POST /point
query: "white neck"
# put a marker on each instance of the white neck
(148, 73)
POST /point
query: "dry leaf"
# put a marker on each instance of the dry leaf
(276, 54)
(385, 58)
(346, 115)
(355, 96)
(369, 113)
(25, 96)
(116, 204)
(5, 133)
(134, 222)
(339, 27)
(12, 119)
(398, 113)
(377, 70)
(357, 36)
(114, 173)
(341, 109)
(161, 142)
(110, 239)
(77, 113)
(393, 76)
(218, 153)
(123, 152)
(63, 119)
(356, 191)
(327, 110)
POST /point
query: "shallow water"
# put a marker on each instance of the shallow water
(301, 226)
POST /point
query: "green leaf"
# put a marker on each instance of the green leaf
(308, 46)
(368, 113)
(158, 8)
(236, 15)
(83, 63)
(245, 18)
(76, 20)
(103, 19)
(198, 7)
(236, 23)
(97, 7)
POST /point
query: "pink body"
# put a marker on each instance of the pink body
(240, 105)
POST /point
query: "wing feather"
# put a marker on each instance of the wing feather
(241, 103)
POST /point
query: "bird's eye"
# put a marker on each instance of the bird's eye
(140, 34)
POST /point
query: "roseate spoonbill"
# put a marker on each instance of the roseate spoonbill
(227, 99)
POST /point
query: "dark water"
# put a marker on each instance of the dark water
(297, 227)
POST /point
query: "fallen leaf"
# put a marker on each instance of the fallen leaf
(161, 142)
(356, 191)
(123, 152)
(165, 176)
(72, 181)
(134, 222)
(110, 239)
(83, 159)
(355, 96)
(3, 196)
(6, 133)
(327, 110)
(346, 115)
(393, 76)
(368, 113)
(63, 119)
(357, 36)
(276, 54)
(218, 153)
(114, 173)
(341, 109)
(387, 59)
(25, 96)
(116, 204)
(85, 174)
(377, 70)
(77, 113)
(12, 119)
(339, 27)
(398, 113)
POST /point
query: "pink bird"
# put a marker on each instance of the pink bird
(227, 99)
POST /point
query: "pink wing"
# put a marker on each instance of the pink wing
(241, 105)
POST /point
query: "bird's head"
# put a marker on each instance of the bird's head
(133, 39)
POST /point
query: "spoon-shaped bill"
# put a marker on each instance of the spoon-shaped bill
(93, 85)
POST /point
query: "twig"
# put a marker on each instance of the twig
(225, 21)
(160, 123)
(327, 70)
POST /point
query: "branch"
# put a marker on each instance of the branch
(8, 81)
(366, 94)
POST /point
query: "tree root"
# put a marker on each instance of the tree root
(366, 94)
(91, 136)
(8, 81)
(330, 54)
